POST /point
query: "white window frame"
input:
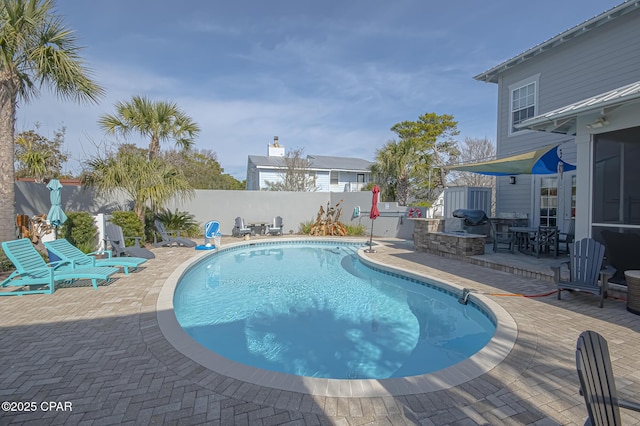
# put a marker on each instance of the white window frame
(531, 81)
(335, 173)
(549, 201)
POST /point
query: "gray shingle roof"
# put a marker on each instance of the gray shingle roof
(339, 163)
(318, 162)
(264, 161)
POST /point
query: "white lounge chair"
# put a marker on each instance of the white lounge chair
(240, 229)
(275, 228)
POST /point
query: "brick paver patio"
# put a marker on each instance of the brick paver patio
(102, 353)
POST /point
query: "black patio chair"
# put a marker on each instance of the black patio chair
(502, 239)
(567, 238)
(546, 241)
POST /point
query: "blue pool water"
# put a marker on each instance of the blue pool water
(313, 309)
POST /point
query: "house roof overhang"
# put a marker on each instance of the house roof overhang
(564, 119)
(492, 75)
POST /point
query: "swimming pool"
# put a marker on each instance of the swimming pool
(314, 309)
(217, 367)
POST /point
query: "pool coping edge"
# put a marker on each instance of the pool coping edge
(478, 364)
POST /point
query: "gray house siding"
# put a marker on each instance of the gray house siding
(270, 176)
(322, 181)
(514, 198)
(348, 181)
(252, 183)
(603, 59)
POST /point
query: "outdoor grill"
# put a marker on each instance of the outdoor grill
(473, 221)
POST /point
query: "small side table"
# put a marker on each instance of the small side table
(632, 278)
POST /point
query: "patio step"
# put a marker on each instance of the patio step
(540, 272)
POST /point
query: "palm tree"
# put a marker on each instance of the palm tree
(36, 50)
(148, 182)
(159, 121)
(393, 168)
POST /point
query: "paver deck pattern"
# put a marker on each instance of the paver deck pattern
(102, 351)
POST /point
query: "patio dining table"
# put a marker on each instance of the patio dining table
(534, 240)
(258, 226)
(524, 237)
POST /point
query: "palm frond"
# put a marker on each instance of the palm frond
(157, 120)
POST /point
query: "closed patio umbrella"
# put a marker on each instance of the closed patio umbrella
(56, 216)
(373, 214)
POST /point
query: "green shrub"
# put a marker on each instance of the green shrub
(180, 221)
(130, 224)
(305, 227)
(5, 263)
(81, 231)
(356, 230)
(368, 187)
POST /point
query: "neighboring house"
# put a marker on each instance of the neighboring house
(331, 174)
(580, 89)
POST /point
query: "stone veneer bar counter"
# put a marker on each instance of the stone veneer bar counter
(428, 236)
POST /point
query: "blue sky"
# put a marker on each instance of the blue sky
(330, 77)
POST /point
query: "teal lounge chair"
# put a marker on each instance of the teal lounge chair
(65, 251)
(32, 271)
